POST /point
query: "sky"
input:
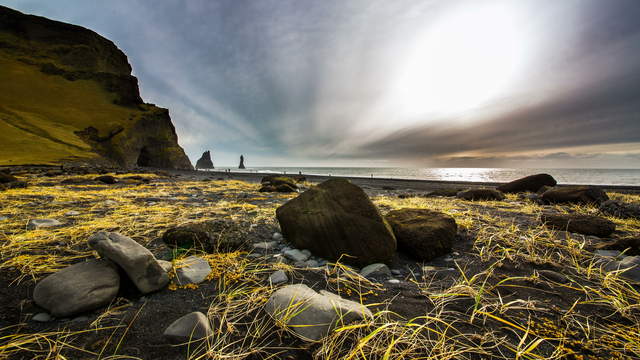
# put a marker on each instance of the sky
(476, 83)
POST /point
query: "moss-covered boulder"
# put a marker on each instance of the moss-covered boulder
(531, 183)
(210, 236)
(282, 184)
(337, 218)
(421, 233)
(575, 195)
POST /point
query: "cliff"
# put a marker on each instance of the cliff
(67, 96)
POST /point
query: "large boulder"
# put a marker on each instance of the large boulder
(575, 195)
(205, 161)
(312, 315)
(581, 224)
(337, 218)
(138, 262)
(78, 288)
(192, 327)
(620, 209)
(481, 194)
(421, 233)
(209, 236)
(531, 183)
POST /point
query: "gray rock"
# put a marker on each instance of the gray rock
(3, 218)
(296, 255)
(35, 224)
(277, 236)
(138, 262)
(42, 317)
(80, 319)
(312, 263)
(396, 272)
(72, 213)
(608, 253)
(393, 281)
(306, 252)
(192, 270)
(312, 315)
(191, 327)
(375, 270)
(265, 245)
(278, 277)
(81, 287)
(629, 267)
(165, 265)
(110, 203)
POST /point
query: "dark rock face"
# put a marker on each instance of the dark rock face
(337, 218)
(531, 183)
(282, 184)
(241, 166)
(481, 194)
(421, 233)
(205, 161)
(210, 236)
(146, 138)
(576, 195)
(581, 224)
(620, 209)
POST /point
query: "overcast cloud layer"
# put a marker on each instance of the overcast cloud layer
(293, 82)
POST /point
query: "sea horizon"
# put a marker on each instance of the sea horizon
(586, 176)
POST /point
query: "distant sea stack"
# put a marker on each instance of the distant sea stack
(241, 166)
(205, 161)
(67, 96)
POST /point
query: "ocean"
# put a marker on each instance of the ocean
(563, 176)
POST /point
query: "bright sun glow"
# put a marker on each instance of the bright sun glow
(464, 59)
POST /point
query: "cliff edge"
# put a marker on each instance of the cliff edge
(67, 96)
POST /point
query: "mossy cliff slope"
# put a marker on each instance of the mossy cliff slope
(67, 96)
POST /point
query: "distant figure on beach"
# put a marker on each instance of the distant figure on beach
(241, 166)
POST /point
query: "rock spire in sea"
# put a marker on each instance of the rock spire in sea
(241, 166)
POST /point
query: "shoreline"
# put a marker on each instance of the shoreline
(399, 184)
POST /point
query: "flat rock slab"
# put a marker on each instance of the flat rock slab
(296, 255)
(138, 262)
(192, 270)
(35, 224)
(312, 315)
(581, 224)
(81, 287)
(194, 326)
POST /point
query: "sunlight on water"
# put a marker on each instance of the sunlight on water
(564, 176)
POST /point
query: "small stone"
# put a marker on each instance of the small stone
(253, 256)
(278, 277)
(296, 255)
(192, 270)
(311, 263)
(396, 272)
(375, 270)
(608, 253)
(428, 268)
(110, 203)
(306, 252)
(455, 253)
(191, 327)
(42, 317)
(35, 224)
(72, 213)
(265, 245)
(106, 179)
(393, 281)
(3, 218)
(277, 236)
